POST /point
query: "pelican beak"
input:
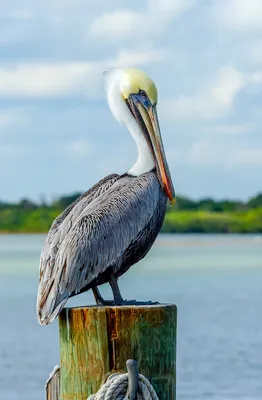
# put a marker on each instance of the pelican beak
(146, 116)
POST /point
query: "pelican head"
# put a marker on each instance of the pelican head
(132, 97)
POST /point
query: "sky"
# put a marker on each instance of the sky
(57, 135)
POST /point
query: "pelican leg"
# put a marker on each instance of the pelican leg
(99, 298)
(118, 299)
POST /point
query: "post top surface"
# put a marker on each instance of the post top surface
(123, 307)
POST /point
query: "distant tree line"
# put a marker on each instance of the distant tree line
(188, 216)
(208, 204)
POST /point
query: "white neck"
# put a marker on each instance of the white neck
(145, 161)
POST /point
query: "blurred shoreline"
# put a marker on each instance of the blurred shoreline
(204, 216)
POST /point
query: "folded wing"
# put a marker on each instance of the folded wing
(60, 227)
(96, 240)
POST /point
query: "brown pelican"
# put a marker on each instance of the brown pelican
(114, 224)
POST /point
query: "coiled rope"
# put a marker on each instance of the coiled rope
(117, 388)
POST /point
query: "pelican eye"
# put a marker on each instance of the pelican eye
(143, 93)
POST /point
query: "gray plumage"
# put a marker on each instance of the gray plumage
(105, 231)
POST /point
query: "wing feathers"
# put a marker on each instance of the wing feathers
(96, 239)
(60, 227)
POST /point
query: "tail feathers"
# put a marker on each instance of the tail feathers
(50, 309)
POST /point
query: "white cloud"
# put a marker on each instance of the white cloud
(136, 58)
(118, 23)
(121, 24)
(169, 8)
(210, 102)
(47, 80)
(44, 80)
(239, 15)
(228, 84)
(210, 152)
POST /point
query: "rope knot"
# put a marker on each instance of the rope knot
(126, 386)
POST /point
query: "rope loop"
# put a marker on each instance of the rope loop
(117, 388)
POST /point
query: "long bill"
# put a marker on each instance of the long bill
(147, 119)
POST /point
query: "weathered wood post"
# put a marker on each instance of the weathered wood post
(52, 387)
(96, 341)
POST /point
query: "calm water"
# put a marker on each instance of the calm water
(216, 282)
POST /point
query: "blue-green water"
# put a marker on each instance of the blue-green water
(216, 282)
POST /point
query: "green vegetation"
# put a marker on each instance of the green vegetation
(188, 216)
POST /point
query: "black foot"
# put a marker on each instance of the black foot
(106, 303)
(100, 301)
(118, 299)
(136, 303)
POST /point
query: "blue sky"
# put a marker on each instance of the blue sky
(56, 132)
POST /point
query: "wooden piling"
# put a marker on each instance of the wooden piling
(96, 341)
(52, 386)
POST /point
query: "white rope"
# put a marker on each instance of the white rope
(116, 388)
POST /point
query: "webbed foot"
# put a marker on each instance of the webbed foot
(137, 303)
(118, 299)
